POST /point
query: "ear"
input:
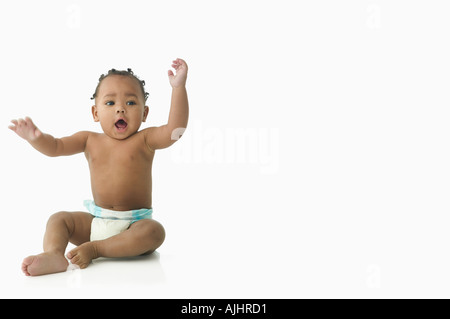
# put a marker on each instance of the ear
(145, 113)
(95, 114)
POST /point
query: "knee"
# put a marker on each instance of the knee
(60, 217)
(155, 231)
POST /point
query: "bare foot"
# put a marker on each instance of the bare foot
(83, 254)
(45, 263)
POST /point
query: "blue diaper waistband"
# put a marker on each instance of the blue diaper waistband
(133, 215)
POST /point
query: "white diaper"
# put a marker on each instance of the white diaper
(104, 228)
(107, 223)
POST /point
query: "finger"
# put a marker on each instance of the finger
(176, 62)
(181, 62)
(170, 73)
(12, 127)
(15, 122)
(21, 122)
(28, 121)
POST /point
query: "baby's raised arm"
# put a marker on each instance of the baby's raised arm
(166, 135)
(47, 144)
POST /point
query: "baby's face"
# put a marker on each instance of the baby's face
(119, 106)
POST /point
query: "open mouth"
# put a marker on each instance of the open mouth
(121, 125)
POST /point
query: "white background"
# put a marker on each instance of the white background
(315, 164)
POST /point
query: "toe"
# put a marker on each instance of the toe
(75, 260)
(25, 263)
(83, 265)
(71, 254)
(28, 261)
(25, 270)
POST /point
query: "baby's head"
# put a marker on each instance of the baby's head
(128, 73)
(120, 103)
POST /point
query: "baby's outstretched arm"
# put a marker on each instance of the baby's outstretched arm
(166, 135)
(47, 144)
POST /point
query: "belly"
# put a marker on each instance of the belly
(118, 193)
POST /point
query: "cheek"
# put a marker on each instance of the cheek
(138, 114)
(135, 117)
(106, 116)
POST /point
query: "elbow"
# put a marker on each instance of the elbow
(46, 152)
(51, 154)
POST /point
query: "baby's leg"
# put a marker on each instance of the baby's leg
(61, 228)
(144, 236)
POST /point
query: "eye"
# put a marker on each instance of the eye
(110, 103)
(131, 103)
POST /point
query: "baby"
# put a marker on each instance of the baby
(119, 222)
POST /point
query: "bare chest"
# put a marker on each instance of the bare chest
(106, 155)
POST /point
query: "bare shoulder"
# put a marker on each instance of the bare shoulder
(149, 135)
(159, 137)
(73, 144)
(87, 134)
(83, 136)
(92, 139)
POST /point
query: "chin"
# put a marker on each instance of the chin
(120, 135)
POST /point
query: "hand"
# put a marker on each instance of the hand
(26, 129)
(181, 69)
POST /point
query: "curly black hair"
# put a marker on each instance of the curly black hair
(129, 73)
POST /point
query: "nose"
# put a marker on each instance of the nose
(120, 109)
